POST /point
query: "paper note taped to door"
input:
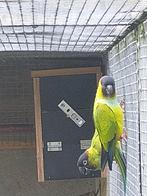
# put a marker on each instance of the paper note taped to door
(71, 113)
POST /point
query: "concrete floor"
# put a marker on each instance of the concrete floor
(18, 178)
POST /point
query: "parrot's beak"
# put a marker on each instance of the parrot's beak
(109, 90)
(82, 164)
(84, 171)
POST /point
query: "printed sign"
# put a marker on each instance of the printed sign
(70, 112)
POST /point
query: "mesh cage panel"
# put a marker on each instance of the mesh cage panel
(65, 25)
(123, 67)
(142, 59)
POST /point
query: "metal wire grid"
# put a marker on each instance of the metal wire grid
(142, 58)
(16, 138)
(65, 25)
(123, 67)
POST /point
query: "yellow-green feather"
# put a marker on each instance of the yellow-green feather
(108, 117)
(121, 161)
(94, 152)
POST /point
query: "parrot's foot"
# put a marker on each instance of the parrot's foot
(124, 136)
(122, 105)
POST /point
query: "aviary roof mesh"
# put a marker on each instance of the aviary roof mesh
(65, 25)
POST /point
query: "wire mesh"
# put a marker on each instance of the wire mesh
(142, 59)
(65, 25)
(121, 28)
(16, 136)
(123, 67)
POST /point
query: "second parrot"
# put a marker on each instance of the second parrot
(108, 122)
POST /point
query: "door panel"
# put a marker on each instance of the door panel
(79, 92)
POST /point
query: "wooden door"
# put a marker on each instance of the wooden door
(59, 140)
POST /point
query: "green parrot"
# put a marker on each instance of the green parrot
(90, 159)
(108, 121)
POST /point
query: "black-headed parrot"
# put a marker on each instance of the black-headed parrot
(108, 122)
(90, 159)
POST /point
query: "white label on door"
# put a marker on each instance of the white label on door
(74, 116)
(85, 144)
(54, 146)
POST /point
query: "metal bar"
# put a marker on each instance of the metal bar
(7, 5)
(139, 129)
(44, 25)
(76, 23)
(39, 33)
(55, 44)
(56, 41)
(20, 7)
(33, 23)
(54, 24)
(66, 25)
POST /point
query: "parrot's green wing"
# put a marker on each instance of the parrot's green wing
(94, 139)
(105, 123)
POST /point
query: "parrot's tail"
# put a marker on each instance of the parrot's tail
(121, 161)
(108, 156)
(104, 158)
(111, 152)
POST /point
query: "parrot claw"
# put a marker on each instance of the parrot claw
(124, 136)
(122, 105)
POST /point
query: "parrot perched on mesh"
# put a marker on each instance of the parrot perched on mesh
(90, 160)
(108, 122)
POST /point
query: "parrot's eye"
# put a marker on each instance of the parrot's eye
(85, 162)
